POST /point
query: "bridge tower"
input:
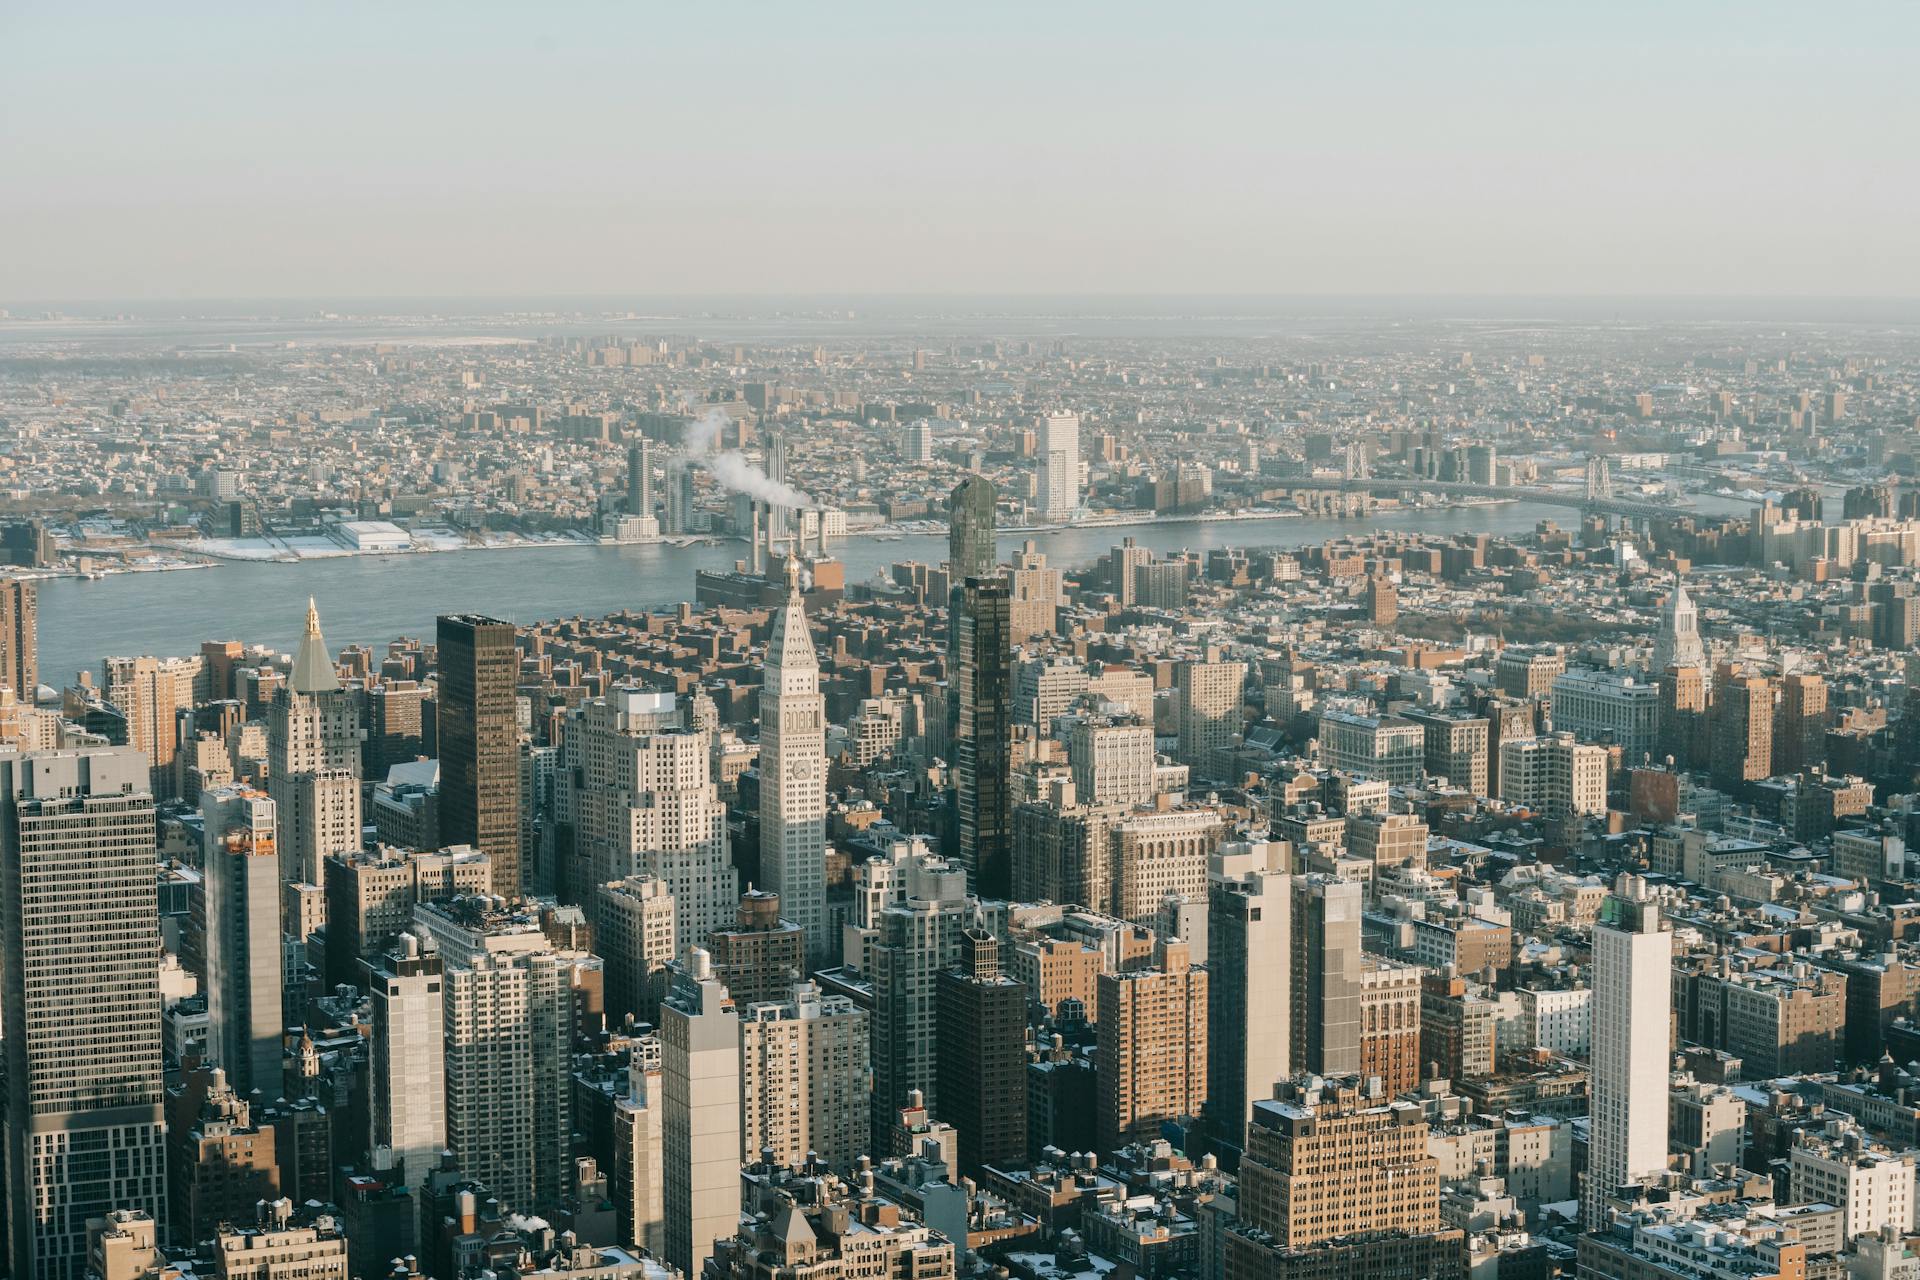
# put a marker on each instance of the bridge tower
(1599, 479)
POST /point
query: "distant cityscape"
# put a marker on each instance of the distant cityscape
(1352, 891)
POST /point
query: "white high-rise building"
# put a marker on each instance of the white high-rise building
(508, 1016)
(85, 1131)
(700, 1114)
(1632, 1007)
(313, 761)
(1112, 763)
(639, 1179)
(406, 1061)
(634, 933)
(1609, 707)
(242, 937)
(1060, 464)
(793, 775)
(638, 792)
(803, 1078)
(1249, 993)
(1678, 644)
(1554, 774)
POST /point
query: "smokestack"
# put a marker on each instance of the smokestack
(758, 568)
(773, 535)
(820, 515)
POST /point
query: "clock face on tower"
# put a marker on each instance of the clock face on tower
(800, 770)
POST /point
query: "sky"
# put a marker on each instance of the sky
(636, 149)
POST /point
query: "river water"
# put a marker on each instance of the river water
(373, 599)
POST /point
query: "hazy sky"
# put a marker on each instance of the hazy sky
(305, 150)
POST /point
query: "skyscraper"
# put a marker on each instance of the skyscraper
(1059, 464)
(778, 517)
(406, 1059)
(1124, 564)
(1332, 1165)
(803, 1078)
(761, 956)
(151, 693)
(508, 1015)
(636, 791)
(1151, 1060)
(982, 1024)
(1249, 1023)
(639, 1191)
(313, 761)
(1113, 764)
(19, 654)
(242, 937)
(923, 910)
(633, 929)
(1678, 642)
(1209, 694)
(82, 1000)
(640, 477)
(479, 740)
(680, 496)
(1800, 739)
(1740, 749)
(1632, 1003)
(971, 552)
(983, 734)
(220, 1160)
(1325, 977)
(793, 773)
(700, 1114)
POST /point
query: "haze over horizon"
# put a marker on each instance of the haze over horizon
(1481, 150)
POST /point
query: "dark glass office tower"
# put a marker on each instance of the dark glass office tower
(970, 531)
(982, 1068)
(479, 739)
(983, 733)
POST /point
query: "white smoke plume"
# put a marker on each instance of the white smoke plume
(730, 467)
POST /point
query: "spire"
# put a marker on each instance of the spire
(791, 646)
(1678, 642)
(312, 669)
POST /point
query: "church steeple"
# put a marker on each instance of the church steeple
(312, 669)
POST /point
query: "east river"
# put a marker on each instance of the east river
(373, 599)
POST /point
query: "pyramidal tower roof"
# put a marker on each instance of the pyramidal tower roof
(1679, 602)
(312, 669)
(791, 647)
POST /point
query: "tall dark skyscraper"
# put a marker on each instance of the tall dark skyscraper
(85, 1126)
(479, 739)
(19, 658)
(970, 530)
(983, 733)
(982, 1028)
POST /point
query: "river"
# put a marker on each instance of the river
(373, 599)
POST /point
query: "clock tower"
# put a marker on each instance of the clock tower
(793, 777)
